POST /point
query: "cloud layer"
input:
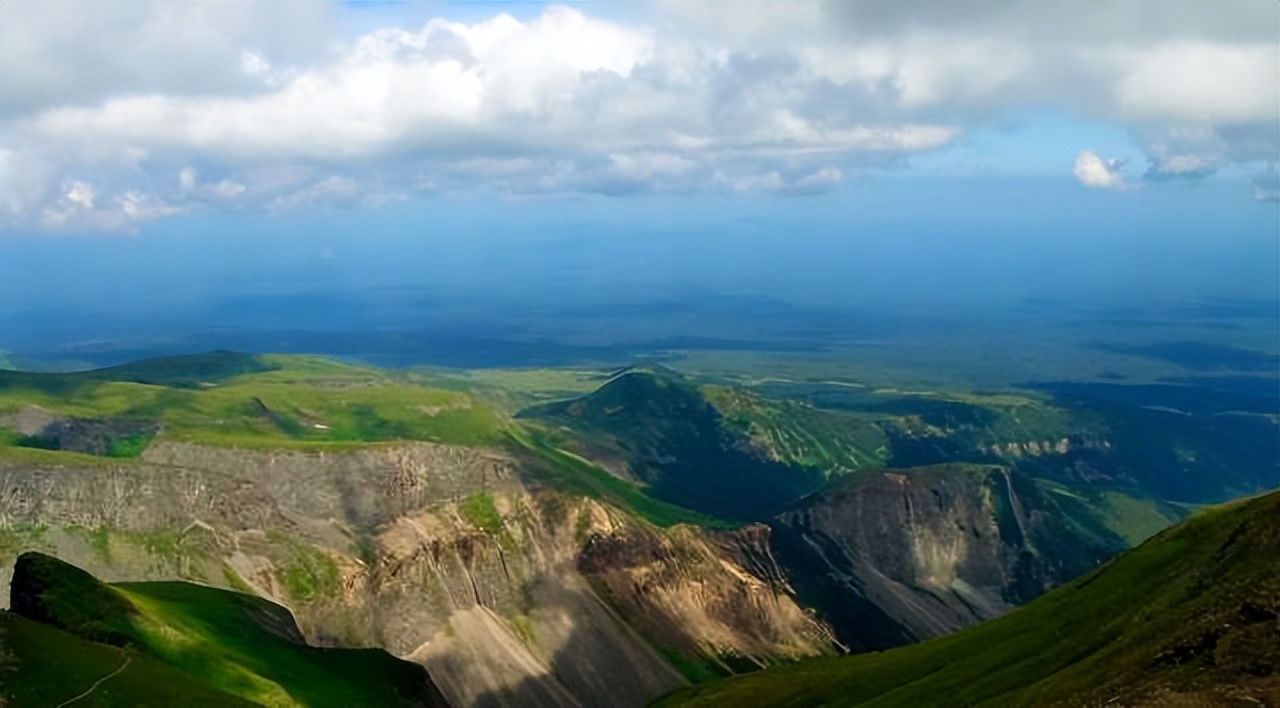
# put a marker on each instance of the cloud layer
(117, 113)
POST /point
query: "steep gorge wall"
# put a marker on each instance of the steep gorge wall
(907, 555)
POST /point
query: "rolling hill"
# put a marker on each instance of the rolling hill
(234, 400)
(722, 452)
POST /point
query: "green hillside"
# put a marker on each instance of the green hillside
(1188, 618)
(722, 452)
(225, 398)
(542, 459)
(185, 635)
(796, 433)
(183, 371)
(1196, 440)
(44, 666)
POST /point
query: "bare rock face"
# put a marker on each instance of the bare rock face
(718, 597)
(908, 555)
(441, 554)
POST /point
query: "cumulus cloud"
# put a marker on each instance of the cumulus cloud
(287, 109)
(80, 194)
(1094, 171)
(1190, 67)
(254, 64)
(222, 192)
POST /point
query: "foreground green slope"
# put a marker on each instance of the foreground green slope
(44, 666)
(1188, 618)
(210, 641)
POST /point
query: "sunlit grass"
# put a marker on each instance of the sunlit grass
(302, 402)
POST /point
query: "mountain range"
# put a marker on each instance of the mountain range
(588, 537)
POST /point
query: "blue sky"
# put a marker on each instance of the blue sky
(182, 153)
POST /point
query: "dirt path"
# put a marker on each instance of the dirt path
(97, 683)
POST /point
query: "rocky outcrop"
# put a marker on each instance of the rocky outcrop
(716, 597)
(39, 428)
(442, 554)
(1037, 448)
(906, 555)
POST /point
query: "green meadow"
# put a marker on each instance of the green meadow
(249, 401)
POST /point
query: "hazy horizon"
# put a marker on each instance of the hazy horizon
(632, 175)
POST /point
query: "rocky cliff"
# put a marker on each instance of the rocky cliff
(510, 594)
(905, 555)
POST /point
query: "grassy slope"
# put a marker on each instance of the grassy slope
(662, 420)
(571, 473)
(1131, 518)
(799, 434)
(227, 642)
(680, 444)
(257, 401)
(189, 371)
(44, 666)
(1192, 611)
(224, 638)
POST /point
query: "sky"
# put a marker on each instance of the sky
(161, 160)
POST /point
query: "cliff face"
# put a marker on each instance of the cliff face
(509, 594)
(907, 555)
(718, 595)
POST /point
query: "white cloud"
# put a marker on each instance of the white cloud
(226, 190)
(81, 208)
(1094, 171)
(775, 181)
(823, 178)
(646, 165)
(223, 192)
(764, 182)
(81, 195)
(141, 207)
(253, 64)
(1266, 185)
(1201, 83)
(53, 54)
(334, 191)
(286, 110)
